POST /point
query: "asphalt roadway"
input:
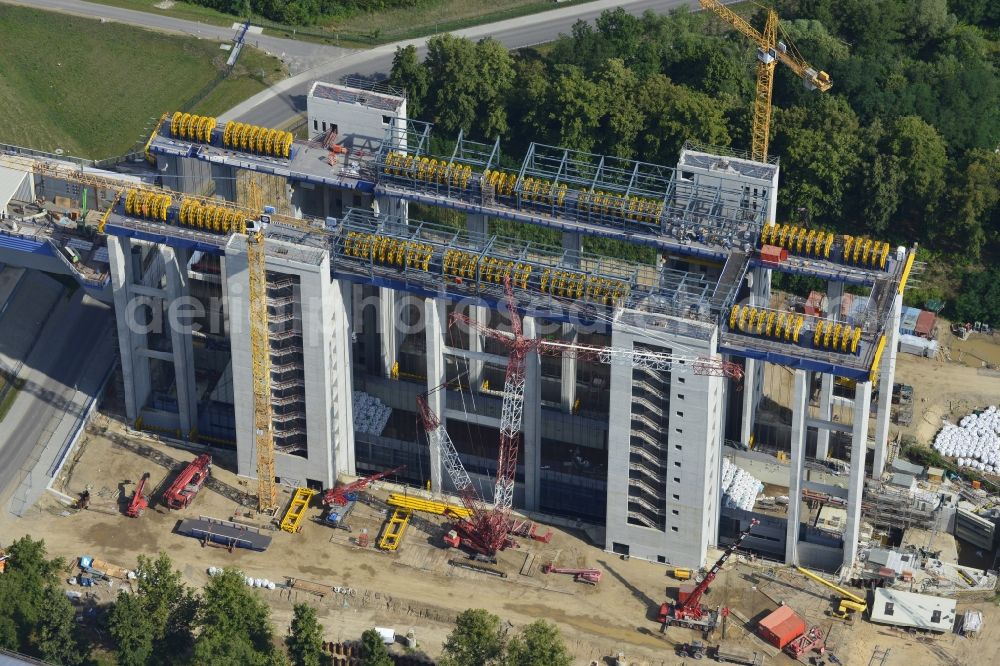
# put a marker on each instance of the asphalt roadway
(64, 359)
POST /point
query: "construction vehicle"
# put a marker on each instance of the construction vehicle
(806, 643)
(688, 611)
(137, 506)
(680, 573)
(736, 656)
(848, 603)
(488, 530)
(589, 576)
(185, 487)
(336, 515)
(769, 51)
(343, 493)
(694, 649)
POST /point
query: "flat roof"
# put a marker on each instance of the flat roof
(351, 95)
(910, 609)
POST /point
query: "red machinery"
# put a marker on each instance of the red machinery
(486, 531)
(689, 612)
(187, 484)
(592, 576)
(339, 494)
(806, 643)
(139, 501)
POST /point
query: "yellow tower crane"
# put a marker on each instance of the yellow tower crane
(260, 350)
(769, 49)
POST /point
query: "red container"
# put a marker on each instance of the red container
(781, 627)
(772, 254)
(925, 324)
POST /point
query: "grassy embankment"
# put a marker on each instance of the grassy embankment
(93, 89)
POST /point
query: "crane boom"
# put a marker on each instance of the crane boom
(769, 50)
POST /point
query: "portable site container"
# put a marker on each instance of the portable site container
(908, 322)
(781, 627)
(925, 324)
(772, 254)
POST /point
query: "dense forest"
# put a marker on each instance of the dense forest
(904, 147)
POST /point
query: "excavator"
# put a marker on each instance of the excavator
(847, 604)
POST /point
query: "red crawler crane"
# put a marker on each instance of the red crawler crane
(689, 612)
(339, 494)
(139, 502)
(486, 530)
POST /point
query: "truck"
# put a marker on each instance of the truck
(185, 487)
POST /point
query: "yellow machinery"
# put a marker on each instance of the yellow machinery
(769, 50)
(392, 535)
(292, 522)
(427, 506)
(681, 574)
(849, 601)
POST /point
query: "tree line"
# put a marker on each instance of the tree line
(302, 12)
(163, 622)
(903, 148)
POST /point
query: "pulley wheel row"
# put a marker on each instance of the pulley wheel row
(388, 250)
(460, 263)
(785, 326)
(865, 252)
(143, 203)
(428, 169)
(567, 284)
(217, 219)
(497, 270)
(191, 127)
(798, 240)
(837, 337)
(542, 191)
(256, 139)
(502, 183)
(633, 208)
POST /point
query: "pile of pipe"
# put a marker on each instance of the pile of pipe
(370, 415)
(974, 442)
(739, 487)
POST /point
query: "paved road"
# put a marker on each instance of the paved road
(61, 361)
(299, 55)
(286, 99)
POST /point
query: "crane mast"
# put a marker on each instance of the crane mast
(769, 51)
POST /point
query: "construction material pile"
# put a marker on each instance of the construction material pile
(739, 487)
(370, 415)
(974, 442)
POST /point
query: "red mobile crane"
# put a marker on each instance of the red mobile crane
(486, 531)
(689, 612)
(185, 487)
(339, 494)
(139, 502)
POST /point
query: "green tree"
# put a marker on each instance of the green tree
(132, 630)
(675, 114)
(576, 109)
(538, 644)
(495, 81)
(624, 120)
(972, 207)
(453, 87)
(305, 638)
(921, 153)
(476, 640)
(410, 74)
(528, 109)
(235, 624)
(376, 654)
(167, 609)
(55, 634)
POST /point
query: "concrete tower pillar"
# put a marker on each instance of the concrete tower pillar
(388, 328)
(532, 425)
(131, 333)
(568, 376)
(859, 448)
(834, 295)
(179, 318)
(434, 315)
(753, 376)
(800, 407)
(887, 376)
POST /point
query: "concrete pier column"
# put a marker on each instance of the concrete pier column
(753, 375)
(388, 327)
(434, 315)
(800, 407)
(532, 425)
(859, 448)
(179, 309)
(825, 414)
(479, 314)
(568, 375)
(887, 376)
(131, 332)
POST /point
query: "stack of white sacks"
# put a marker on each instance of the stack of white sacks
(739, 487)
(975, 441)
(370, 415)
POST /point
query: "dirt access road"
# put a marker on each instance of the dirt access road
(412, 588)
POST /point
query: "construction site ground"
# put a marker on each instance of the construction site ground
(415, 587)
